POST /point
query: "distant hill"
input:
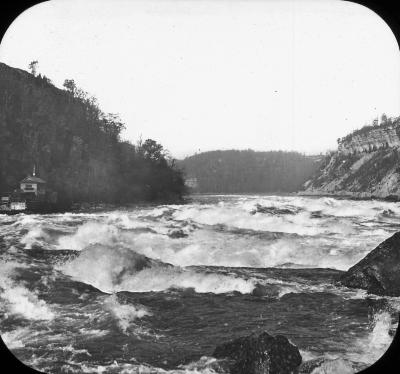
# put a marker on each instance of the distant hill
(75, 146)
(248, 171)
(366, 164)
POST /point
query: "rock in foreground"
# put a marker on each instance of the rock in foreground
(379, 271)
(261, 290)
(260, 354)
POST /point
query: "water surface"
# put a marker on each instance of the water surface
(155, 289)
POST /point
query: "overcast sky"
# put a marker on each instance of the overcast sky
(204, 75)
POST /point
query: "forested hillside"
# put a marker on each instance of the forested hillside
(235, 171)
(75, 146)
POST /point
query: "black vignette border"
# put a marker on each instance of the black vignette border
(386, 9)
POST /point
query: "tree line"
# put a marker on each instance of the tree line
(75, 146)
(241, 171)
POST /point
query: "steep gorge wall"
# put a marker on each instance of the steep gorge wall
(376, 138)
(366, 164)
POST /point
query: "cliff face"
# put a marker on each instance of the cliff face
(374, 139)
(365, 165)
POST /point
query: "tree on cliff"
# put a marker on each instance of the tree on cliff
(69, 85)
(33, 67)
(152, 150)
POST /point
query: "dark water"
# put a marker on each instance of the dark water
(79, 295)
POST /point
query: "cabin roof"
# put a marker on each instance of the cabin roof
(32, 180)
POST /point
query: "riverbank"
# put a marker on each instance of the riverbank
(104, 207)
(349, 195)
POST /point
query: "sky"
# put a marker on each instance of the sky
(202, 75)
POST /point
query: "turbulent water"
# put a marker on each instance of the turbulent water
(155, 289)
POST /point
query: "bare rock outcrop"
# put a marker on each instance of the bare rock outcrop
(260, 354)
(379, 271)
(372, 140)
(365, 165)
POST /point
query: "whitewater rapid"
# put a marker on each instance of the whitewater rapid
(321, 232)
(113, 275)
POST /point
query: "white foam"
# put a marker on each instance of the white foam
(200, 367)
(336, 366)
(35, 236)
(345, 232)
(371, 347)
(116, 269)
(125, 313)
(22, 301)
(18, 299)
(87, 234)
(14, 339)
(379, 340)
(237, 216)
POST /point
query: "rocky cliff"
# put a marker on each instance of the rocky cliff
(371, 138)
(365, 165)
(379, 271)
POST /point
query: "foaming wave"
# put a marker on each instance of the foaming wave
(205, 365)
(159, 279)
(18, 299)
(136, 368)
(87, 234)
(371, 348)
(14, 339)
(113, 269)
(335, 366)
(239, 216)
(224, 233)
(362, 353)
(125, 314)
(379, 339)
(21, 301)
(215, 248)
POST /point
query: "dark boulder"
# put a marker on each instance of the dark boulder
(177, 234)
(260, 290)
(316, 214)
(273, 210)
(307, 367)
(379, 271)
(388, 213)
(260, 354)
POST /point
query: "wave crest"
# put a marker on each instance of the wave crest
(19, 300)
(113, 269)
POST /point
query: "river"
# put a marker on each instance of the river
(155, 289)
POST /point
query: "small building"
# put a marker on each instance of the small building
(31, 196)
(5, 199)
(33, 185)
(18, 205)
(4, 202)
(191, 183)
